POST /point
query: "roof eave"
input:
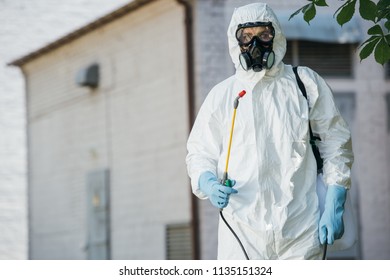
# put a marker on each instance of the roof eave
(135, 4)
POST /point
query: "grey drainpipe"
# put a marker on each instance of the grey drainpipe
(191, 115)
(28, 165)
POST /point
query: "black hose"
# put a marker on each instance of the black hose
(235, 235)
(325, 247)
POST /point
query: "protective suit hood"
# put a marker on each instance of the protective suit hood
(253, 13)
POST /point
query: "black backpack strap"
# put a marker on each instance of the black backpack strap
(300, 83)
(313, 139)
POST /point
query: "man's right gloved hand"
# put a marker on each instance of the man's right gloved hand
(216, 192)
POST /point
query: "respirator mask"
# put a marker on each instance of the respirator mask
(255, 40)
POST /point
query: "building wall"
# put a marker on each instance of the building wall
(21, 33)
(211, 66)
(135, 124)
(372, 159)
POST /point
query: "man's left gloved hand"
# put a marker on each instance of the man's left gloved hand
(331, 225)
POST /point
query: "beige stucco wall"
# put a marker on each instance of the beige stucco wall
(135, 123)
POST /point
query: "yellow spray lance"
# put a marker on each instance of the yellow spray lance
(225, 181)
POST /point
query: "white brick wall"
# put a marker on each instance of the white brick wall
(25, 26)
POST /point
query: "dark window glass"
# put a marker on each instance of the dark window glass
(328, 59)
(332, 60)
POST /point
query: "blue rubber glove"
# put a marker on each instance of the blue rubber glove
(216, 192)
(331, 223)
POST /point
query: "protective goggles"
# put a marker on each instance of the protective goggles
(246, 32)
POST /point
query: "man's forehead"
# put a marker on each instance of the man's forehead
(255, 30)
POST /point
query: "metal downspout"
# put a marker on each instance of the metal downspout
(191, 115)
(28, 164)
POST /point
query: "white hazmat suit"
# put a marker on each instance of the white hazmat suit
(275, 213)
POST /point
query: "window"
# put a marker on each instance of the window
(328, 59)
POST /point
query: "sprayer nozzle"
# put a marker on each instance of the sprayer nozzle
(242, 93)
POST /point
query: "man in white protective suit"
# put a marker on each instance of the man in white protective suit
(273, 205)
